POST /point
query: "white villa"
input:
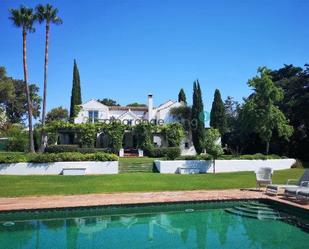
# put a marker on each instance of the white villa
(94, 111)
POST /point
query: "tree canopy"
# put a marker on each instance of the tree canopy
(182, 96)
(135, 104)
(76, 98)
(13, 99)
(198, 119)
(57, 114)
(217, 114)
(261, 112)
(108, 102)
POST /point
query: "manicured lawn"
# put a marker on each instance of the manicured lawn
(67, 185)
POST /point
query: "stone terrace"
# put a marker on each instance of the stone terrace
(41, 202)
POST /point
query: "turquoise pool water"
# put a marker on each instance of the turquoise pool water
(197, 225)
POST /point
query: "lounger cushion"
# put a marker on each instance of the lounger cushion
(304, 192)
(277, 186)
(294, 190)
(291, 190)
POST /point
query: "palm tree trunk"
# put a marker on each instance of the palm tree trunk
(29, 104)
(43, 135)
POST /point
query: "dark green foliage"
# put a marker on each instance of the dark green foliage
(88, 136)
(57, 114)
(217, 114)
(115, 132)
(18, 138)
(294, 82)
(108, 102)
(13, 98)
(76, 98)
(172, 153)
(56, 157)
(135, 104)
(173, 133)
(169, 152)
(260, 112)
(62, 148)
(143, 132)
(183, 115)
(257, 156)
(182, 96)
(198, 131)
(73, 148)
(13, 157)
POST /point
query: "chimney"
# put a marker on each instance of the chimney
(150, 107)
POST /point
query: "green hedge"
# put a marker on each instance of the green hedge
(168, 152)
(249, 157)
(56, 157)
(73, 148)
(257, 156)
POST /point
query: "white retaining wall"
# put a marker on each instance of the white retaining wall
(172, 167)
(56, 168)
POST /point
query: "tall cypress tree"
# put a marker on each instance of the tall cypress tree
(198, 119)
(76, 98)
(217, 114)
(182, 96)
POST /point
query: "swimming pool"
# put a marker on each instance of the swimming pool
(229, 224)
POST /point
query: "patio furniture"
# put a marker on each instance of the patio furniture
(293, 191)
(263, 176)
(291, 183)
(303, 194)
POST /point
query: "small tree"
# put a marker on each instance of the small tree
(108, 102)
(57, 114)
(260, 110)
(217, 114)
(174, 133)
(76, 98)
(143, 132)
(182, 96)
(198, 119)
(213, 145)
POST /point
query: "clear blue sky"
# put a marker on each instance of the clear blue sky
(127, 49)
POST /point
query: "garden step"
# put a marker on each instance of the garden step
(252, 215)
(256, 207)
(258, 204)
(257, 211)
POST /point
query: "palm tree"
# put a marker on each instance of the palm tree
(24, 18)
(47, 14)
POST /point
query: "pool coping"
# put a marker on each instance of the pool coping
(135, 198)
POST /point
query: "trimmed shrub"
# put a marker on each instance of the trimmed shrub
(74, 148)
(172, 153)
(169, 152)
(13, 157)
(62, 148)
(71, 156)
(18, 139)
(56, 157)
(257, 156)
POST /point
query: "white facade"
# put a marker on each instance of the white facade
(201, 166)
(58, 168)
(94, 111)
